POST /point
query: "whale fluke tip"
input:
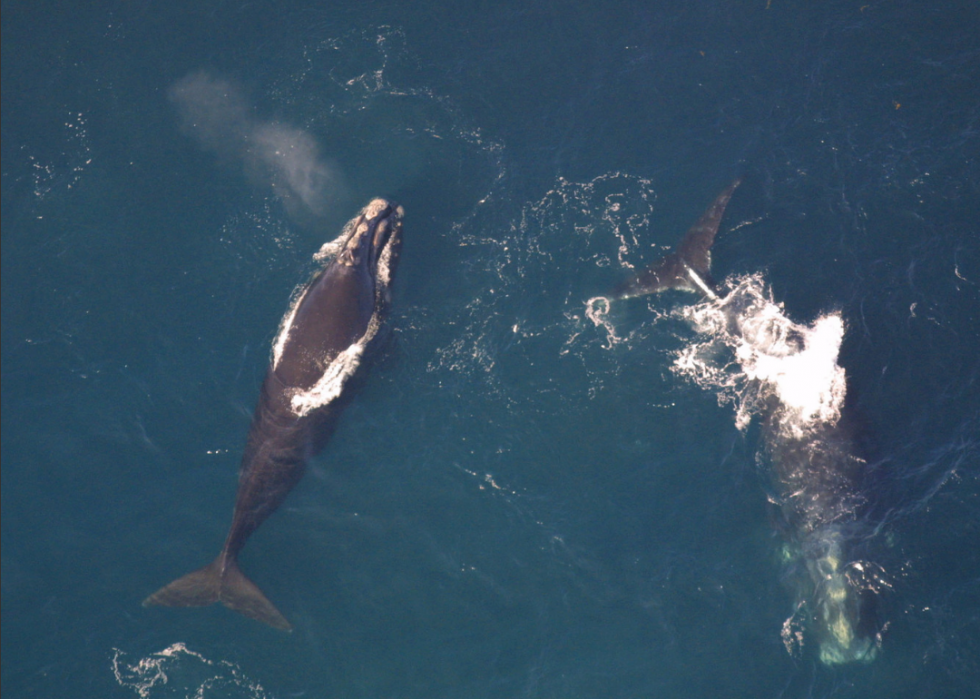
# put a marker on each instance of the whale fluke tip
(689, 267)
(221, 581)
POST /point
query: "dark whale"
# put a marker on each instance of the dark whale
(689, 266)
(320, 344)
(810, 455)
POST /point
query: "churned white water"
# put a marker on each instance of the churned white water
(749, 352)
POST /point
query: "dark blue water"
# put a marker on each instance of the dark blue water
(512, 506)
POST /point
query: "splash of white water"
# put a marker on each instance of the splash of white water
(752, 355)
(179, 671)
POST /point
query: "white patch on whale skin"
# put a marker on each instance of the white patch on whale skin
(374, 208)
(332, 248)
(834, 594)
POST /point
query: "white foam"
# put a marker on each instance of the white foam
(751, 353)
(324, 255)
(597, 310)
(177, 670)
(329, 387)
(286, 324)
(810, 384)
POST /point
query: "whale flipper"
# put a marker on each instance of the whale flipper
(220, 581)
(689, 266)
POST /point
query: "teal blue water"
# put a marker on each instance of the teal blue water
(512, 506)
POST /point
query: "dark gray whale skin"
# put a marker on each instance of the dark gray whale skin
(689, 266)
(339, 308)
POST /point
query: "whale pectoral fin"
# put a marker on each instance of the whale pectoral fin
(244, 596)
(209, 585)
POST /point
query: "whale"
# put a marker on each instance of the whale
(806, 448)
(689, 266)
(330, 325)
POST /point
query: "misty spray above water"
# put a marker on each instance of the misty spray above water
(286, 158)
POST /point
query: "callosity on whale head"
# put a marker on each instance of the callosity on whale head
(372, 237)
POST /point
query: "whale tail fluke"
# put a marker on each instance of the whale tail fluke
(220, 581)
(689, 266)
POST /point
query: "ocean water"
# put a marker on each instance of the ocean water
(528, 496)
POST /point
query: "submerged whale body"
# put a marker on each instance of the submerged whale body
(321, 341)
(788, 375)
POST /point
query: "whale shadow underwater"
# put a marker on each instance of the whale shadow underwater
(322, 340)
(807, 449)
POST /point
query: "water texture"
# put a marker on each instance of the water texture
(536, 492)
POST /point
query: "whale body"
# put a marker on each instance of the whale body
(788, 375)
(322, 339)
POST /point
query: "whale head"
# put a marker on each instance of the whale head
(843, 612)
(335, 315)
(374, 238)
